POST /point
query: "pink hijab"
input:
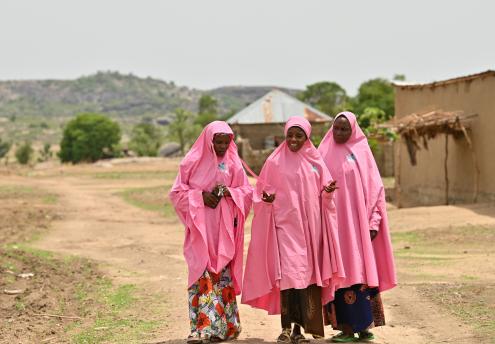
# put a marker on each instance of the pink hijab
(361, 194)
(294, 240)
(212, 242)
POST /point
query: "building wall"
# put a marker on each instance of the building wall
(384, 157)
(258, 133)
(424, 184)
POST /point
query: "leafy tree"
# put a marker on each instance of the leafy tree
(24, 153)
(370, 118)
(182, 129)
(45, 153)
(326, 96)
(375, 93)
(146, 139)
(207, 104)
(208, 110)
(89, 137)
(4, 148)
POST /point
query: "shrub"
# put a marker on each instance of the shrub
(24, 153)
(89, 137)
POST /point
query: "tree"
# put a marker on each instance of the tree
(375, 93)
(207, 110)
(370, 118)
(207, 104)
(326, 96)
(182, 129)
(24, 153)
(89, 137)
(146, 139)
(4, 148)
(45, 153)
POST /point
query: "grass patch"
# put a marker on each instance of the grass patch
(9, 192)
(473, 304)
(445, 240)
(114, 321)
(152, 199)
(165, 175)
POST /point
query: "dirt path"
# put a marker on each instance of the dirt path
(144, 248)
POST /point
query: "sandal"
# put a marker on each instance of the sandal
(284, 336)
(366, 336)
(344, 338)
(194, 338)
(299, 338)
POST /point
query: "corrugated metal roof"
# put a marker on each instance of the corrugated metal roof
(276, 107)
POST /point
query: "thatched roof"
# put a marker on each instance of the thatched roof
(431, 123)
(421, 127)
(415, 128)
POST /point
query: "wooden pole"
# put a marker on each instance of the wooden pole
(475, 165)
(397, 165)
(446, 169)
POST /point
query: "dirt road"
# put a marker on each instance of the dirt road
(144, 248)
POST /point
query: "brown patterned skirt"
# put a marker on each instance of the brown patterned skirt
(303, 307)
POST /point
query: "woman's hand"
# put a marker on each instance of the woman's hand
(373, 234)
(210, 200)
(331, 187)
(267, 197)
(221, 190)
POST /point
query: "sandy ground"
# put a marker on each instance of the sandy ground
(145, 248)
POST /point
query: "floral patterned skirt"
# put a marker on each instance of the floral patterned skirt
(213, 310)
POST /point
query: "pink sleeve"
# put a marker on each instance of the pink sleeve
(375, 219)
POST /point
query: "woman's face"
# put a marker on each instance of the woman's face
(221, 143)
(295, 138)
(341, 130)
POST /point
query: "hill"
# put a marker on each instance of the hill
(115, 94)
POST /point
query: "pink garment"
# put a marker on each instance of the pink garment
(211, 240)
(294, 240)
(361, 206)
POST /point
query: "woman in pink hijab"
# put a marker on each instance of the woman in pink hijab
(212, 198)
(363, 231)
(293, 255)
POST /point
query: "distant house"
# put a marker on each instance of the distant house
(445, 153)
(260, 126)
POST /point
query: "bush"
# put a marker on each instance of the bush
(46, 153)
(146, 139)
(4, 148)
(89, 137)
(24, 153)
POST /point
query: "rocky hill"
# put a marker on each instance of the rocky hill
(115, 94)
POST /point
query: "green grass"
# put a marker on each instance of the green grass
(447, 241)
(152, 199)
(22, 191)
(165, 175)
(115, 321)
(474, 304)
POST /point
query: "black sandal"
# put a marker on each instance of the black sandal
(299, 338)
(284, 337)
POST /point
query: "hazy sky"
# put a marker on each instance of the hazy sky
(206, 44)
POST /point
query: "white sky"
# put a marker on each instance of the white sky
(206, 44)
